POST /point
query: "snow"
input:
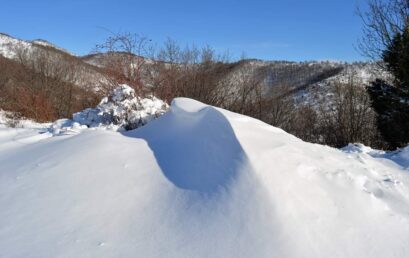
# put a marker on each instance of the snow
(9, 46)
(122, 110)
(198, 181)
(10, 119)
(400, 156)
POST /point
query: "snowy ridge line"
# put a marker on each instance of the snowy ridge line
(46, 43)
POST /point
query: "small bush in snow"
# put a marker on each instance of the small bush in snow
(123, 110)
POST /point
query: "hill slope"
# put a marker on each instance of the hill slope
(197, 182)
(37, 52)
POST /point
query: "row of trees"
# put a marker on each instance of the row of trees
(345, 116)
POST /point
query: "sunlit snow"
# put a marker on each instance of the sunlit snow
(197, 182)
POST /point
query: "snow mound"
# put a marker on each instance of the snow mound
(206, 135)
(400, 157)
(197, 182)
(122, 110)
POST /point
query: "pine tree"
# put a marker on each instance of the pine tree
(396, 58)
(391, 102)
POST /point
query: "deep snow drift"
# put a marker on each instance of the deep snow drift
(197, 182)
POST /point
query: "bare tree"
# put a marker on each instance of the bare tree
(349, 117)
(188, 72)
(125, 58)
(305, 124)
(281, 108)
(382, 20)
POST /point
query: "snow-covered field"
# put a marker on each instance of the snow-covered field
(198, 182)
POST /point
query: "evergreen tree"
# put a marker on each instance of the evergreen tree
(396, 58)
(392, 108)
(391, 102)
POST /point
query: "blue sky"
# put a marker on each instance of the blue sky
(272, 30)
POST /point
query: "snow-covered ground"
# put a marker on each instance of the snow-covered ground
(9, 119)
(197, 182)
(399, 157)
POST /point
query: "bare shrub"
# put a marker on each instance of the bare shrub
(349, 118)
(125, 60)
(190, 72)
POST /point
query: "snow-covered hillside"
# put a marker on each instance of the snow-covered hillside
(9, 45)
(197, 182)
(86, 76)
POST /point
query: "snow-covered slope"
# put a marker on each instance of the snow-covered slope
(400, 156)
(197, 182)
(86, 76)
(10, 119)
(9, 45)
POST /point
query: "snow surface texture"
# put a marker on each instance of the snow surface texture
(197, 182)
(121, 110)
(400, 157)
(9, 119)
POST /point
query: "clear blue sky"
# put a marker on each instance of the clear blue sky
(287, 29)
